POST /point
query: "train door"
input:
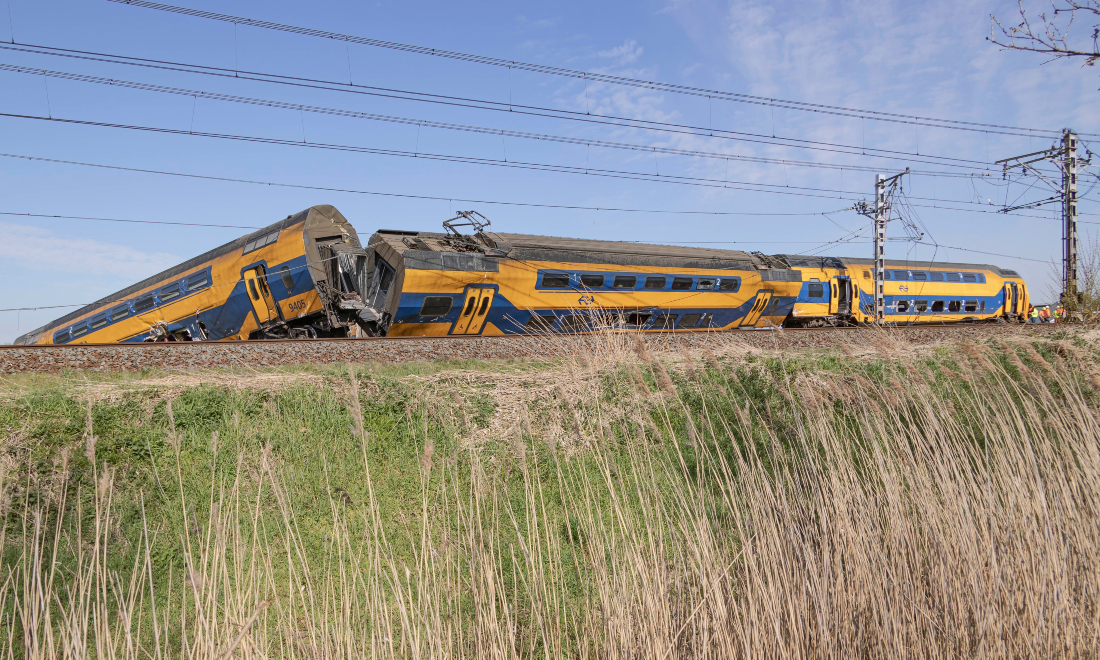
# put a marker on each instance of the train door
(479, 299)
(854, 304)
(1012, 299)
(255, 282)
(762, 299)
(841, 299)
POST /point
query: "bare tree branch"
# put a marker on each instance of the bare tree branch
(1053, 36)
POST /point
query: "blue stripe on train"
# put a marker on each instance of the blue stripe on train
(992, 303)
(513, 320)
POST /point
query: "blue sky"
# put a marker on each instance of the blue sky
(926, 59)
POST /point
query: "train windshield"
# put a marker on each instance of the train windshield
(347, 267)
(354, 276)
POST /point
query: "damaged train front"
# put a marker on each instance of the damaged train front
(351, 291)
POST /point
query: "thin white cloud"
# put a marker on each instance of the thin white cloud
(40, 249)
(627, 53)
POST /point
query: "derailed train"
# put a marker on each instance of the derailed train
(310, 276)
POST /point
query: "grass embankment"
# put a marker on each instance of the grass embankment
(614, 504)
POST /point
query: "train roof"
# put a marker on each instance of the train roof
(529, 247)
(180, 269)
(805, 261)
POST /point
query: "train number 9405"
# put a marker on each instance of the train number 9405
(296, 307)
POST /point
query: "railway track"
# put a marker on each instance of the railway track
(267, 353)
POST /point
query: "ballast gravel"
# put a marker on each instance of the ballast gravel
(188, 356)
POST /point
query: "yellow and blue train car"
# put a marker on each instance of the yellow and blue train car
(309, 276)
(840, 290)
(502, 284)
(299, 277)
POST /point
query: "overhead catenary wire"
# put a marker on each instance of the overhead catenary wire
(876, 115)
(541, 167)
(141, 222)
(408, 121)
(553, 113)
(199, 224)
(615, 174)
(441, 198)
(992, 254)
(418, 122)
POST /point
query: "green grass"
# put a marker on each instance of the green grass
(634, 488)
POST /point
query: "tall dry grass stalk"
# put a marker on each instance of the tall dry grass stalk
(919, 516)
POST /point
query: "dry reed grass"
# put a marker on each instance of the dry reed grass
(940, 510)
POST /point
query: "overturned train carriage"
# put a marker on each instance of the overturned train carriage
(300, 277)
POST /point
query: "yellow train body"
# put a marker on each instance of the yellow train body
(268, 283)
(497, 284)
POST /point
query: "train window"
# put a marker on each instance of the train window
(936, 277)
(575, 323)
(706, 322)
(259, 242)
(61, 336)
(592, 281)
(981, 278)
(903, 306)
(902, 275)
(866, 274)
(937, 305)
(436, 306)
(971, 306)
(983, 307)
(80, 330)
(705, 284)
(539, 323)
(655, 282)
(689, 320)
(143, 304)
(664, 321)
(816, 291)
(120, 312)
(198, 281)
(970, 277)
(624, 282)
(954, 305)
(953, 277)
(681, 283)
(99, 322)
(920, 277)
(169, 292)
(555, 280)
(885, 274)
(288, 281)
(922, 306)
(484, 306)
(637, 318)
(252, 289)
(729, 284)
(470, 302)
